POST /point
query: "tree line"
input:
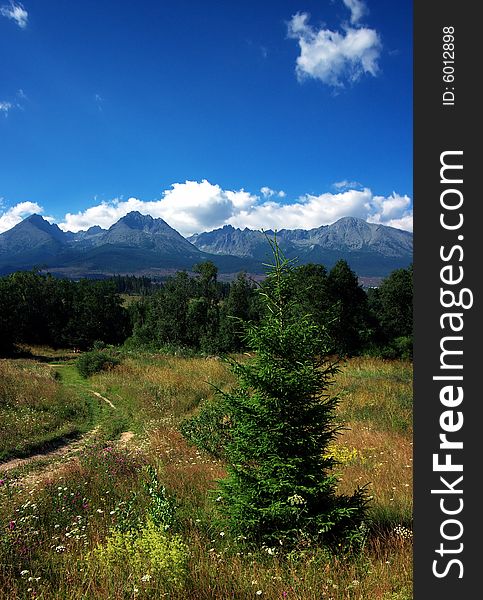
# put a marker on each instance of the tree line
(201, 313)
(61, 313)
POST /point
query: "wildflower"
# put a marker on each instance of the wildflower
(296, 499)
(11, 525)
(146, 577)
(222, 533)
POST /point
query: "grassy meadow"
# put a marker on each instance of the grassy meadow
(133, 513)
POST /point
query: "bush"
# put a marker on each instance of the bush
(150, 556)
(94, 362)
(404, 347)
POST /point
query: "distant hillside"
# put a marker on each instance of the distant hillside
(140, 244)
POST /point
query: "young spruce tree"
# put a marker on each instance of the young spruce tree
(280, 486)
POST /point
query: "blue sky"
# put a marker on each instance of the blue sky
(275, 113)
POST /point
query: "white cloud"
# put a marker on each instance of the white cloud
(394, 210)
(269, 193)
(346, 184)
(17, 213)
(193, 206)
(188, 207)
(336, 57)
(358, 9)
(5, 108)
(16, 12)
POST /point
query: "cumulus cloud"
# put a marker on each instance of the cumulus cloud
(358, 9)
(16, 12)
(336, 57)
(394, 210)
(10, 217)
(193, 206)
(269, 193)
(188, 207)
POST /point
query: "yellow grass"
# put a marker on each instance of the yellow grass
(155, 393)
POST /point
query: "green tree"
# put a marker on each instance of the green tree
(96, 314)
(349, 326)
(396, 303)
(8, 317)
(167, 318)
(392, 305)
(203, 310)
(280, 484)
(238, 307)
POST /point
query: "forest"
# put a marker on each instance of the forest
(195, 312)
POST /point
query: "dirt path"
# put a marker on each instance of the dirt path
(58, 457)
(102, 398)
(68, 450)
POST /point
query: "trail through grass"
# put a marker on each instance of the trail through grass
(66, 536)
(48, 410)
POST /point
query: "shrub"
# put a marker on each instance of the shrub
(150, 556)
(94, 362)
(404, 347)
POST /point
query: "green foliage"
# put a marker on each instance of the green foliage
(400, 347)
(130, 284)
(239, 306)
(350, 327)
(161, 509)
(280, 487)
(336, 302)
(150, 556)
(392, 306)
(40, 309)
(209, 429)
(95, 361)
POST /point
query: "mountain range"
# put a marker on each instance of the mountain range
(142, 245)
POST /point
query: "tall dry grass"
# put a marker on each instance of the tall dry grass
(109, 489)
(35, 409)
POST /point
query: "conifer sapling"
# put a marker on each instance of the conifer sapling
(280, 487)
